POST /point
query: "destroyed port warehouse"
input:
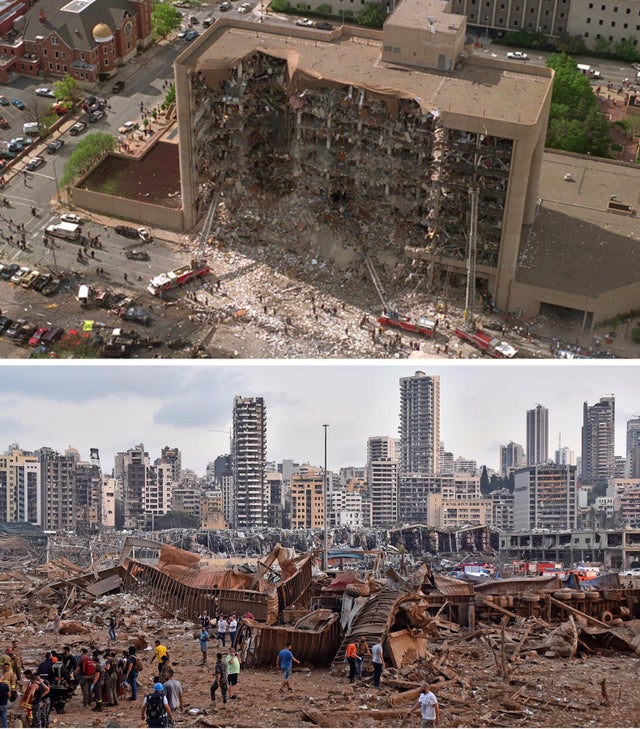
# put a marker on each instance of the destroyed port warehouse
(434, 626)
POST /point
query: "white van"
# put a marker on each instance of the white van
(70, 231)
(31, 128)
(84, 295)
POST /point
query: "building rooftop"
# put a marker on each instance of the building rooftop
(480, 89)
(576, 243)
(416, 13)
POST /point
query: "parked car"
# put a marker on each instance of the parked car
(207, 22)
(137, 314)
(128, 127)
(45, 91)
(37, 336)
(193, 19)
(137, 255)
(34, 163)
(52, 336)
(245, 8)
(54, 146)
(324, 25)
(4, 101)
(24, 334)
(42, 280)
(95, 116)
(191, 35)
(15, 328)
(182, 32)
(5, 323)
(52, 287)
(20, 274)
(28, 280)
(117, 87)
(77, 128)
(71, 218)
(633, 572)
(226, 5)
(8, 272)
(517, 56)
(305, 22)
(18, 104)
(139, 233)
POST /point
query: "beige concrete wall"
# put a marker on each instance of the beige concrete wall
(606, 306)
(118, 207)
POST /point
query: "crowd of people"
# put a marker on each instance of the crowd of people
(106, 677)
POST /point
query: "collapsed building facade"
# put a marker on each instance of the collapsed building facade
(366, 127)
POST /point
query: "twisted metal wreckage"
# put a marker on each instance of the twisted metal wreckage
(286, 598)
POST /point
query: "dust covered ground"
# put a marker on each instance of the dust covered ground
(538, 691)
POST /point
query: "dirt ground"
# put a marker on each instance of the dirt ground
(154, 178)
(538, 692)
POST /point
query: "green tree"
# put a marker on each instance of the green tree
(68, 89)
(626, 49)
(88, 151)
(596, 128)
(372, 15)
(573, 44)
(568, 135)
(279, 6)
(165, 18)
(570, 86)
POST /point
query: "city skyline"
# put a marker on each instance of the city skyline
(190, 406)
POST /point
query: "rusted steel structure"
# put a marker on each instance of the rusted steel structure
(177, 584)
(314, 639)
(187, 601)
(374, 619)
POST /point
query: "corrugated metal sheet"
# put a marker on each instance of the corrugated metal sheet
(451, 586)
(516, 585)
(259, 645)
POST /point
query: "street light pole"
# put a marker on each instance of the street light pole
(325, 556)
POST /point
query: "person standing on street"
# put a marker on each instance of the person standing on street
(429, 707)
(284, 662)
(377, 658)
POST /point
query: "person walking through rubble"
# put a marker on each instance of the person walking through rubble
(111, 679)
(131, 672)
(18, 663)
(10, 677)
(205, 620)
(221, 680)
(429, 707)
(204, 644)
(233, 671)
(222, 631)
(284, 662)
(351, 654)
(363, 652)
(233, 630)
(377, 658)
(5, 691)
(156, 709)
(85, 672)
(97, 685)
(173, 692)
(113, 624)
(159, 651)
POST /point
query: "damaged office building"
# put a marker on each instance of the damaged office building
(381, 136)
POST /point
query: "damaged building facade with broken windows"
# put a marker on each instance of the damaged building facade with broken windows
(382, 135)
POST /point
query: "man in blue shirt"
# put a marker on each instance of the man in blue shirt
(285, 662)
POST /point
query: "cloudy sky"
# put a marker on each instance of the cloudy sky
(114, 407)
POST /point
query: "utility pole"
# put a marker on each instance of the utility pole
(325, 556)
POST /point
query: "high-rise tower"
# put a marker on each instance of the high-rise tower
(537, 447)
(598, 440)
(419, 424)
(249, 460)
